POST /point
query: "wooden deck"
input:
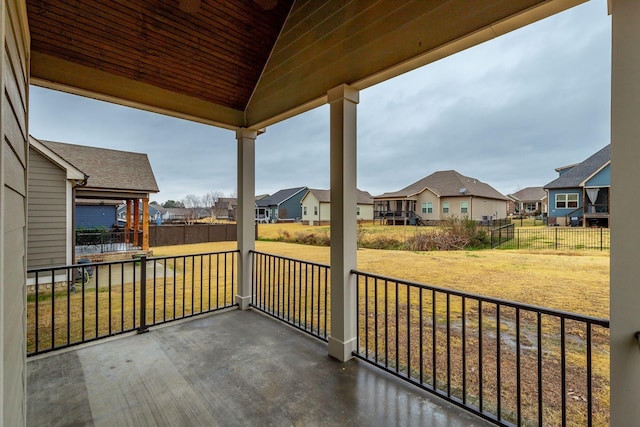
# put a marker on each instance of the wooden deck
(231, 368)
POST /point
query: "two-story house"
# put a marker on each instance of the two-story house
(580, 194)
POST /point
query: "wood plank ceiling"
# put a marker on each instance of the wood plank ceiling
(214, 51)
(235, 63)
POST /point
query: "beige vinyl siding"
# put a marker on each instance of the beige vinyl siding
(47, 236)
(428, 197)
(488, 207)
(366, 212)
(309, 202)
(13, 210)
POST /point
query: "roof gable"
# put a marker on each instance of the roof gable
(448, 183)
(72, 171)
(109, 169)
(324, 196)
(578, 174)
(529, 194)
(279, 197)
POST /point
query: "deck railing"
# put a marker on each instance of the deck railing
(89, 242)
(294, 291)
(510, 363)
(75, 304)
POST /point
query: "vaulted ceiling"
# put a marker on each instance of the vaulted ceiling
(251, 63)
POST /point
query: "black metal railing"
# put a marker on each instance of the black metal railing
(106, 241)
(79, 303)
(294, 291)
(557, 238)
(510, 363)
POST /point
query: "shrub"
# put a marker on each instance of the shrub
(456, 234)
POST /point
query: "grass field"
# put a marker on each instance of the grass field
(572, 281)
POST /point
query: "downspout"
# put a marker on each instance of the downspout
(76, 184)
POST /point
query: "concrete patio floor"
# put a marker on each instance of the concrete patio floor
(232, 368)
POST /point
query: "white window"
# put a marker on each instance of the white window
(315, 210)
(464, 207)
(566, 200)
(445, 207)
(358, 210)
(429, 207)
(304, 210)
(424, 207)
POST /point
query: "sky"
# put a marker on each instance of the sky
(507, 112)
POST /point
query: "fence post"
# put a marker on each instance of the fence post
(143, 295)
(556, 239)
(518, 240)
(600, 238)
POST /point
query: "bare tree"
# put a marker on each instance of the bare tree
(191, 202)
(210, 199)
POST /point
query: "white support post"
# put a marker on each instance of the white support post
(625, 205)
(343, 102)
(246, 212)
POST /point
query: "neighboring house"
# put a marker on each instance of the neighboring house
(67, 182)
(155, 212)
(225, 208)
(281, 206)
(580, 195)
(52, 180)
(112, 174)
(528, 201)
(184, 214)
(440, 196)
(316, 207)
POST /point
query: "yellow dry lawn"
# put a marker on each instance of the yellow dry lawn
(577, 282)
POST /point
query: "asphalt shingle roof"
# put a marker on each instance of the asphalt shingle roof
(529, 194)
(109, 169)
(278, 197)
(580, 172)
(324, 196)
(447, 184)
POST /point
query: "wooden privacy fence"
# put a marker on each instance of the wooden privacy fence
(168, 235)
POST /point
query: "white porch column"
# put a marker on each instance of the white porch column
(343, 102)
(625, 206)
(246, 212)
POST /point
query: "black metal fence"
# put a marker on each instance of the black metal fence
(294, 291)
(513, 364)
(557, 238)
(501, 235)
(80, 303)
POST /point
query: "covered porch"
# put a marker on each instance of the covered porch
(229, 368)
(314, 54)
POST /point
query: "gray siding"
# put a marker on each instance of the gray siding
(13, 210)
(47, 236)
(291, 208)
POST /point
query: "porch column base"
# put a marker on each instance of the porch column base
(343, 351)
(243, 302)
